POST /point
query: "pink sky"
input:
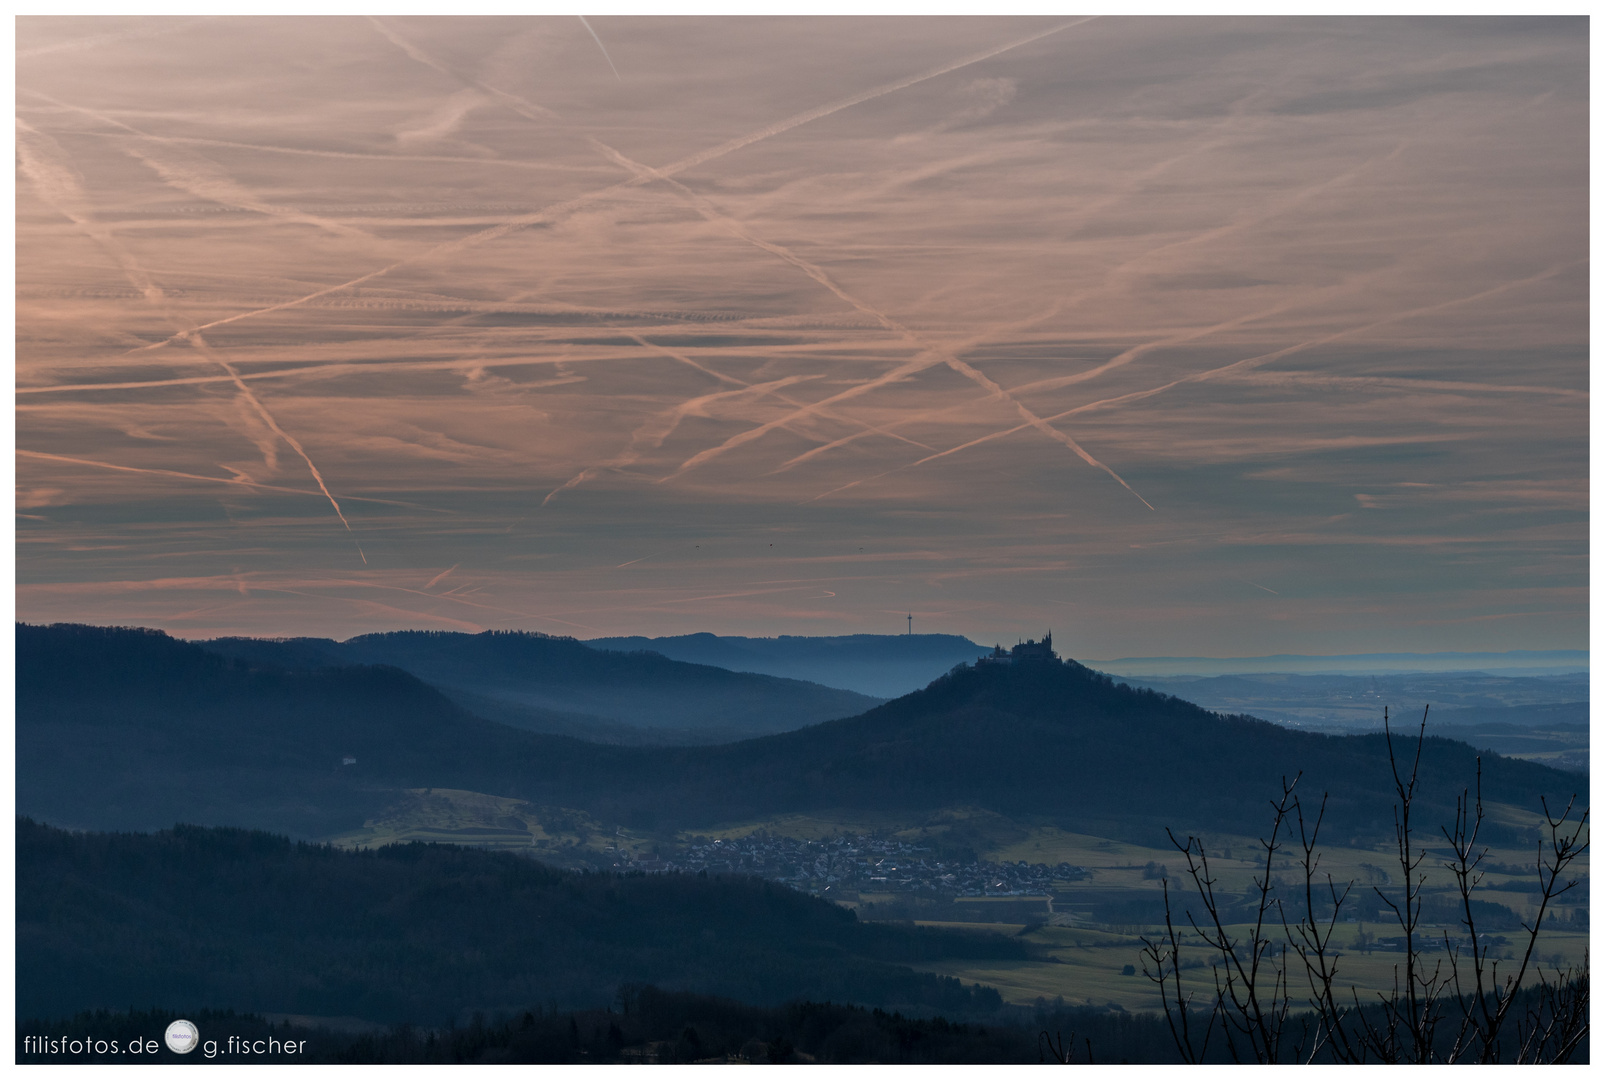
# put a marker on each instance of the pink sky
(1194, 337)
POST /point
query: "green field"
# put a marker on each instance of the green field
(1086, 967)
(472, 819)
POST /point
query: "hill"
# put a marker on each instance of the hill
(193, 918)
(560, 686)
(883, 665)
(1064, 744)
(133, 729)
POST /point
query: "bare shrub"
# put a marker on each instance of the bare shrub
(1452, 1007)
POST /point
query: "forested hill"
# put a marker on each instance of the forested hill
(194, 918)
(132, 729)
(1061, 742)
(641, 689)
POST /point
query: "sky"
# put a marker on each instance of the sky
(1199, 337)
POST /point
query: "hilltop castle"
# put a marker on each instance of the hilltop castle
(1027, 652)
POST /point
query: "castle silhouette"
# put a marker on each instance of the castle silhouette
(1027, 652)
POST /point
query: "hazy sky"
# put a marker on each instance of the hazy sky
(1175, 336)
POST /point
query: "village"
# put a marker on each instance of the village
(842, 867)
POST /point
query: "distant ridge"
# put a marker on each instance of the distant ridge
(880, 665)
(561, 686)
(1521, 661)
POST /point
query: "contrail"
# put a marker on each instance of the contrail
(1266, 358)
(1127, 356)
(526, 109)
(868, 95)
(1292, 201)
(1216, 137)
(444, 596)
(441, 576)
(868, 428)
(156, 30)
(599, 45)
(961, 346)
(668, 423)
(317, 369)
(1386, 382)
(54, 180)
(1249, 363)
(241, 481)
(1179, 338)
(201, 176)
(1120, 360)
(299, 151)
(673, 416)
(643, 558)
(939, 355)
(205, 350)
(701, 157)
(1259, 217)
(737, 595)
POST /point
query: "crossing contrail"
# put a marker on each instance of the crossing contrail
(930, 355)
(198, 175)
(57, 185)
(547, 214)
(665, 423)
(1240, 365)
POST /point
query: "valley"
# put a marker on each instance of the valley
(1084, 902)
(1000, 811)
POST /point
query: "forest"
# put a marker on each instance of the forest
(191, 918)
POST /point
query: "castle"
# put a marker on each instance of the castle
(1027, 652)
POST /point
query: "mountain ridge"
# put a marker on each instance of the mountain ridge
(137, 726)
(552, 684)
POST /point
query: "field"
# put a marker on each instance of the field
(1086, 957)
(1087, 966)
(447, 816)
(1089, 960)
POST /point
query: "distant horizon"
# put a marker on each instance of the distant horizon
(1566, 658)
(1363, 656)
